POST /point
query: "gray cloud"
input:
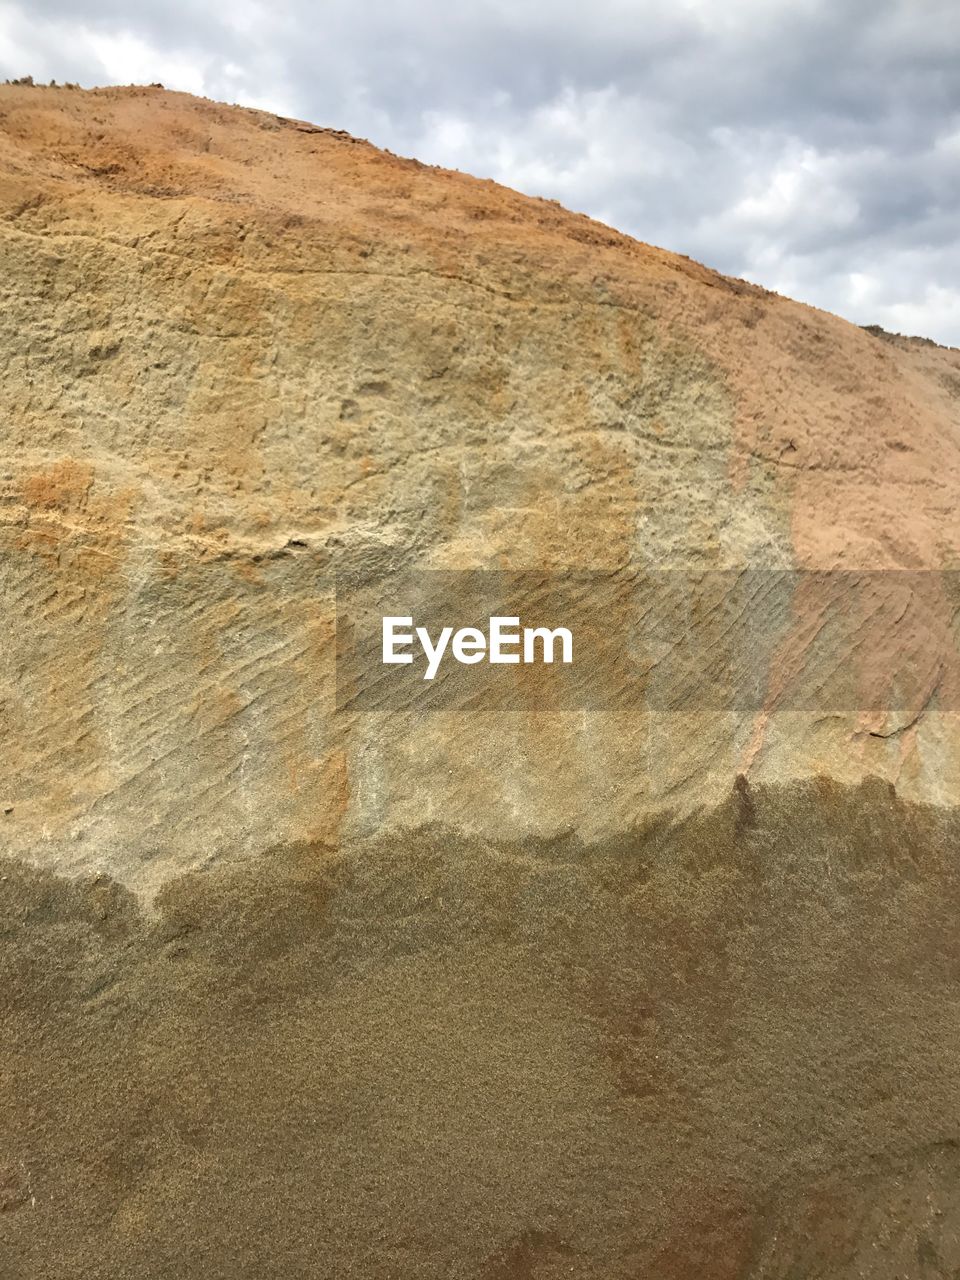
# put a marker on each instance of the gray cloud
(812, 146)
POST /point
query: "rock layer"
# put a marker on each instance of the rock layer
(242, 354)
(508, 992)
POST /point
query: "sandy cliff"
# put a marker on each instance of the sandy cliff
(627, 990)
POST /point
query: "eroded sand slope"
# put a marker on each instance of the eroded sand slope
(604, 992)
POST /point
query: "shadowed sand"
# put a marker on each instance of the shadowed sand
(726, 1047)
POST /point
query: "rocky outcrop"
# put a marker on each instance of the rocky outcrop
(653, 986)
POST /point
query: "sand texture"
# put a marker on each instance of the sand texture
(307, 980)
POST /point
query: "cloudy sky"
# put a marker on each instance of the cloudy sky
(810, 145)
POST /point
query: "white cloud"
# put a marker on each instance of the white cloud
(126, 59)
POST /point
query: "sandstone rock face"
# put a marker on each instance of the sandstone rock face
(296, 985)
